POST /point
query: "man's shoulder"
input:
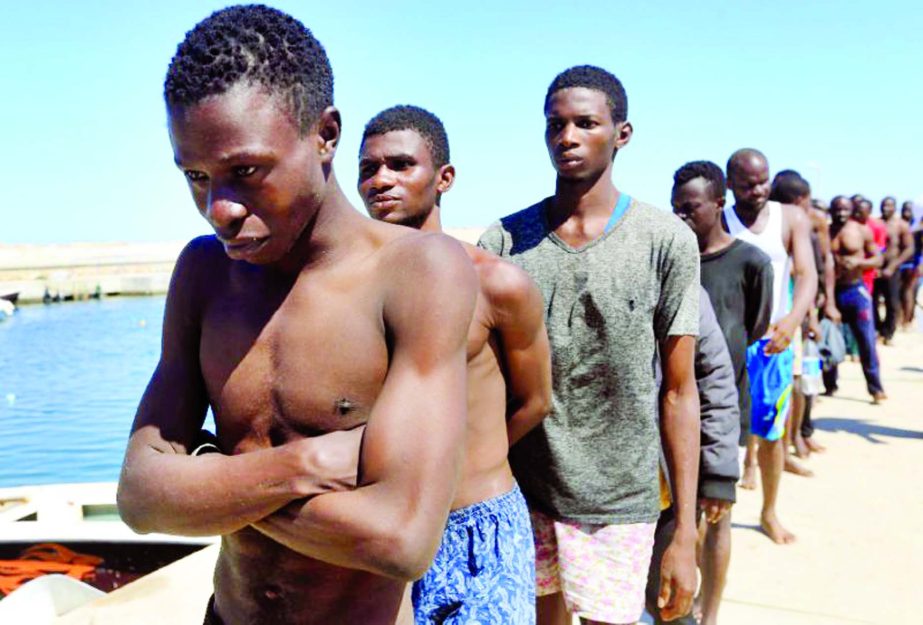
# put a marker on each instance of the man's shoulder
(203, 256)
(652, 224)
(749, 255)
(525, 218)
(504, 284)
(517, 232)
(658, 220)
(407, 248)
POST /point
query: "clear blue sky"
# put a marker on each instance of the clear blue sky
(833, 89)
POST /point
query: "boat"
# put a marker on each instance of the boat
(64, 545)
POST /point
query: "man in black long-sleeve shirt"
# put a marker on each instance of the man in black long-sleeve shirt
(719, 468)
(738, 279)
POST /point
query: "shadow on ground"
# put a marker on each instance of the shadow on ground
(860, 427)
(913, 369)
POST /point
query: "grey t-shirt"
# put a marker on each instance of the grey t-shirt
(595, 457)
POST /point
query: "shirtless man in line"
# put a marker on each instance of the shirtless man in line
(404, 170)
(783, 232)
(789, 187)
(899, 250)
(910, 269)
(300, 317)
(855, 251)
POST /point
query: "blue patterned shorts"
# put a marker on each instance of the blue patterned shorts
(484, 571)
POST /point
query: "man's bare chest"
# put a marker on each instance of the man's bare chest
(312, 362)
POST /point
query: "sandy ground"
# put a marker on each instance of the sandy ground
(858, 521)
(859, 553)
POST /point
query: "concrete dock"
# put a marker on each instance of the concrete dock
(857, 559)
(80, 270)
(859, 551)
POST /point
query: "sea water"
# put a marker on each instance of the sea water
(71, 376)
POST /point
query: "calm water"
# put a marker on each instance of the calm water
(71, 376)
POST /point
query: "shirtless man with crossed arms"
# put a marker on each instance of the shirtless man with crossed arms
(404, 170)
(300, 317)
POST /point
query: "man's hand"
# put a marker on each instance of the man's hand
(715, 509)
(781, 335)
(331, 461)
(887, 272)
(832, 313)
(849, 262)
(813, 330)
(677, 577)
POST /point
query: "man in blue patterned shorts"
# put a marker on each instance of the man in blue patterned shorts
(484, 571)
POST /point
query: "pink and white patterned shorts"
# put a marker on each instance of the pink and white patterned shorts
(601, 569)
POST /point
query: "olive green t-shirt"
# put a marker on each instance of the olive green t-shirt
(595, 458)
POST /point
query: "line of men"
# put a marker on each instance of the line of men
(513, 427)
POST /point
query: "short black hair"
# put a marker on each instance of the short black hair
(702, 169)
(886, 198)
(421, 121)
(740, 155)
(258, 45)
(592, 77)
(788, 186)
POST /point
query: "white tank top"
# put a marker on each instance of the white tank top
(771, 242)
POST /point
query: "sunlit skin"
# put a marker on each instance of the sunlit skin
(817, 216)
(853, 246)
(899, 249)
(695, 203)
(509, 363)
(862, 209)
(909, 276)
(299, 325)
(398, 181)
(582, 140)
(248, 193)
(748, 180)
(854, 250)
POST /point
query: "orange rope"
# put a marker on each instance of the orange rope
(43, 559)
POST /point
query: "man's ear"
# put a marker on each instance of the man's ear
(624, 134)
(328, 127)
(446, 177)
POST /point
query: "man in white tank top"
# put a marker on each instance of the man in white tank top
(783, 233)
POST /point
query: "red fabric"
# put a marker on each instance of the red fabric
(880, 236)
(879, 232)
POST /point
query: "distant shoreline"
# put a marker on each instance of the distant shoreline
(75, 271)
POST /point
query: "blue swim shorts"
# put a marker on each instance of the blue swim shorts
(771, 377)
(484, 571)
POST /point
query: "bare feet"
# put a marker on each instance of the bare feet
(801, 447)
(775, 531)
(792, 466)
(879, 397)
(814, 446)
(748, 481)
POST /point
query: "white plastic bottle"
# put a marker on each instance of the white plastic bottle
(812, 382)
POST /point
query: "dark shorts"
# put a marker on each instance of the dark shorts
(211, 617)
(484, 571)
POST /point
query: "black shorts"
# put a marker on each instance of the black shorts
(211, 617)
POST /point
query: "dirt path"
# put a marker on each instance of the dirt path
(859, 521)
